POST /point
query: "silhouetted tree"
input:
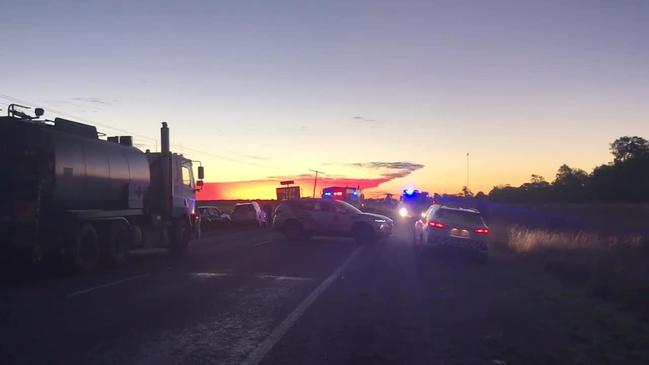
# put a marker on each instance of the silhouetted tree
(626, 179)
(570, 184)
(537, 190)
(466, 192)
(626, 148)
(505, 194)
(537, 179)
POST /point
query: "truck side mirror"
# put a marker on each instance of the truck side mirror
(201, 173)
(199, 183)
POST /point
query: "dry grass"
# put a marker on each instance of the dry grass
(529, 240)
(611, 266)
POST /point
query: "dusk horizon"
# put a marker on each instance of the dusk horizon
(255, 91)
(324, 182)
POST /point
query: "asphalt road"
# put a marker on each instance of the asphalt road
(252, 297)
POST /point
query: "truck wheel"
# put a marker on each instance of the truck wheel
(116, 247)
(84, 252)
(180, 237)
(293, 230)
(363, 234)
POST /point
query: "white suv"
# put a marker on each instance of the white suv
(455, 228)
(300, 219)
(250, 213)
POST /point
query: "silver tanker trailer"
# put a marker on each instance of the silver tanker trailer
(66, 193)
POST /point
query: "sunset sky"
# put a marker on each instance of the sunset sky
(379, 94)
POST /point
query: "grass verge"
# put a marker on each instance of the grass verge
(612, 267)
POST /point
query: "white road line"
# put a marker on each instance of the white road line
(265, 346)
(84, 291)
(275, 277)
(206, 275)
(262, 243)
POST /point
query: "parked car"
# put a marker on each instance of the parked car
(301, 219)
(453, 228)
(212, 217)
(249, 213)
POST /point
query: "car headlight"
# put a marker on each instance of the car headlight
(403, 212)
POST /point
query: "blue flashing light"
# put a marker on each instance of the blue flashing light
(355, 193)
(328, 193)
(409, 191)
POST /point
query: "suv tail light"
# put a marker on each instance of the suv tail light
(481, 230)
(437, 225)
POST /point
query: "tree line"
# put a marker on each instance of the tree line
(625, 179)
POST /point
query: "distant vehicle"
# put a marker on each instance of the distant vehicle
(66, 193)
(212, 217)
(454, 228)
(346, 194)
(249, 213)
(412, 204)
(301, 219)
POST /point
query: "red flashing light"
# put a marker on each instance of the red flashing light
(437, 225)
(338, 193)
(481, 231)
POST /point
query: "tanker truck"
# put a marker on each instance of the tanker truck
(69, 195)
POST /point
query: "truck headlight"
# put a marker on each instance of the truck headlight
(403, 212)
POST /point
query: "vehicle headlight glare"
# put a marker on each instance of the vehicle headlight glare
(403, 212)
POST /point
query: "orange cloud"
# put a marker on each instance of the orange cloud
(265, 188)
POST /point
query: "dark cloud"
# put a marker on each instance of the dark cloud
(92, 100)
(397, 165)
(360, 118)
(399, 168)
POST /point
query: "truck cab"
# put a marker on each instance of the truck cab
(178, 192)
(184, 186)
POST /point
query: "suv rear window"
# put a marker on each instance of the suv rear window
(460, 217)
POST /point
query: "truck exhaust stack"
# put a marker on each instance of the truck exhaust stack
(164, 138)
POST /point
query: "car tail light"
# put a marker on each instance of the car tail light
(481, 231)
(437, 225)
(196, 218)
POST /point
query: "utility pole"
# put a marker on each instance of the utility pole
(315, 181)
(467, 171)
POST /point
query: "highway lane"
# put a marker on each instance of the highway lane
(253, 297)
(227, 293)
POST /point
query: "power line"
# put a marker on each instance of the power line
(79, 118)
(225, 157)
(210, 154)
(315, 181)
